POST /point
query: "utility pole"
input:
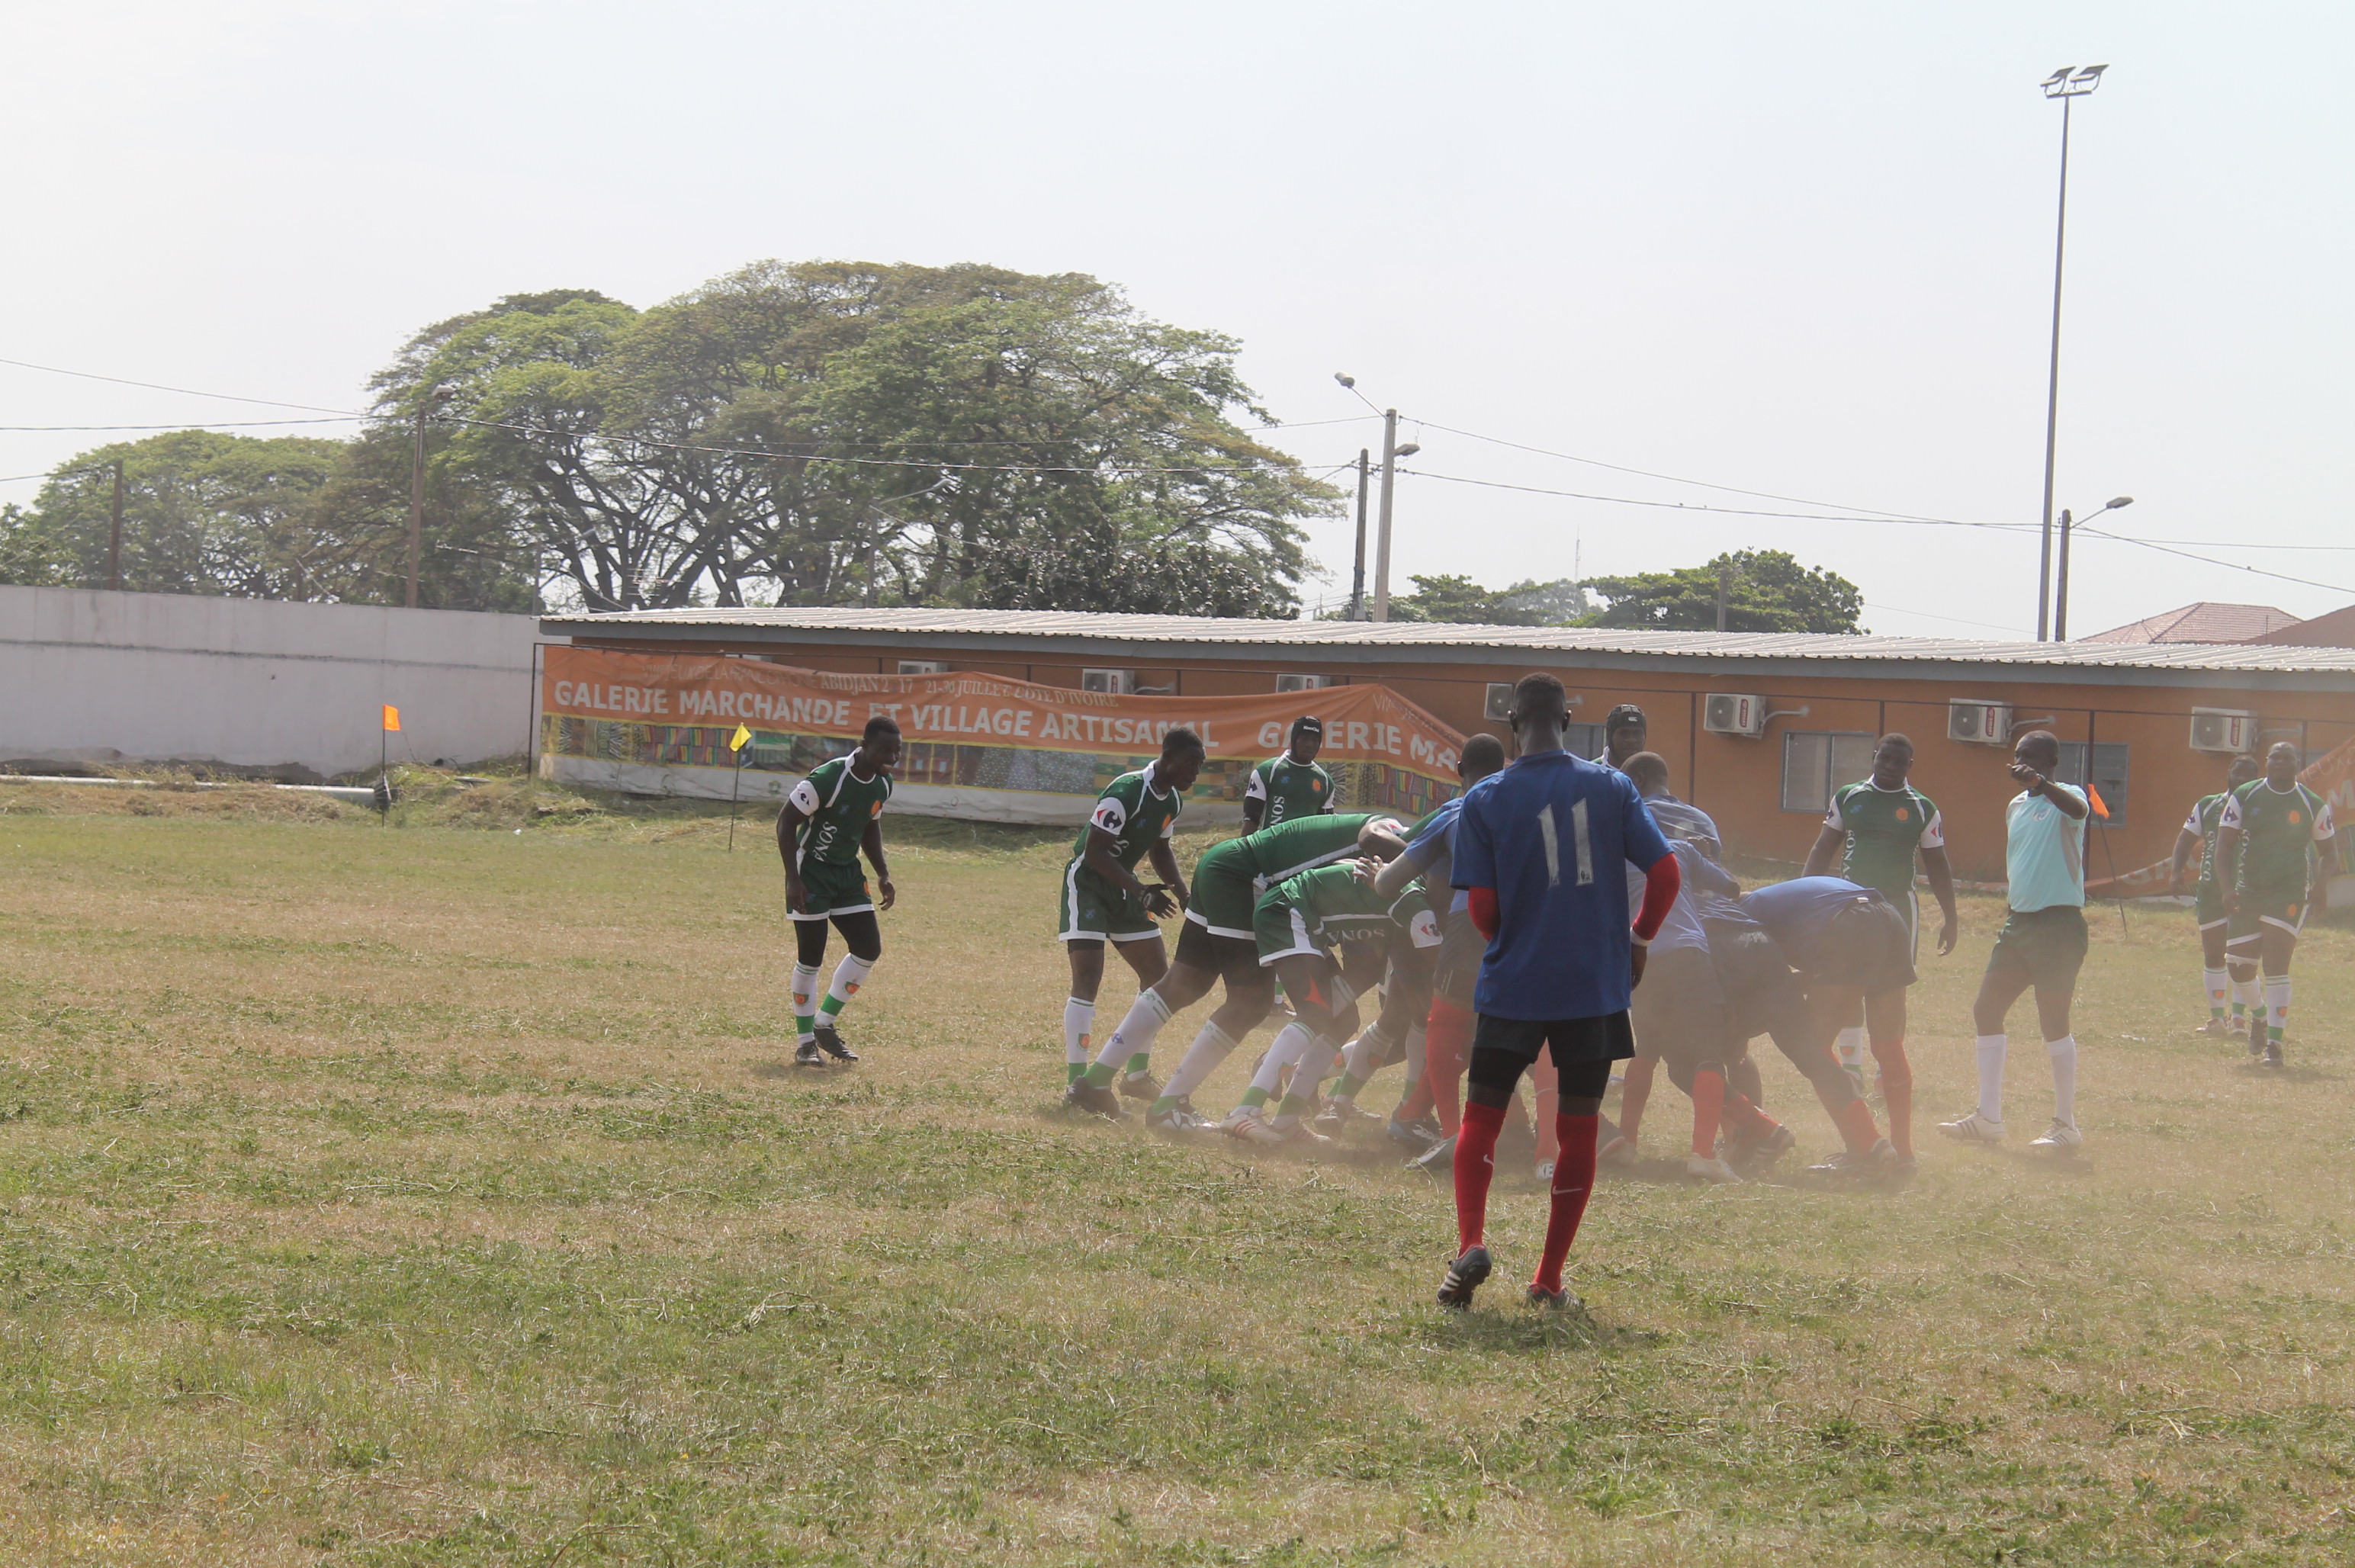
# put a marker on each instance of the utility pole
(114, 535)
(2061, 585)
(1724, 585)
(2068, 82)
(1358, 573)
(433, 401)
(1382, 549)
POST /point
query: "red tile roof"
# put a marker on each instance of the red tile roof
(2335, 629)
(2202, 623)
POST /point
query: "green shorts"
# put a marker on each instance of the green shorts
(1282, 932)
(1225, 891)
(2208, 906)
(2282, 908)
(2044, 946)
(1094, 911)
(829, 889)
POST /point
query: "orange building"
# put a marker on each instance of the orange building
(1756, 728)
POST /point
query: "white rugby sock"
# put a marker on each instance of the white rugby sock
(1134, 1036)
(2277, 1005)
(1315, 1063)
(1290, 1042)
(848, 975)
(1850, 1046)
(1210, 1047)
(1079, 1018)
(1991, 1049)
(1415, 1043)
(806, 1000)
(2250, 994)
(1363, 1053)
(2214, 982)
(2063, 1052)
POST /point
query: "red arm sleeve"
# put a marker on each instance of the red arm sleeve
(1483, 910)
(1660, 885)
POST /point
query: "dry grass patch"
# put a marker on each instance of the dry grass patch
(399, 1194)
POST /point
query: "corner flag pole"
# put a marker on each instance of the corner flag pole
(384, 758)
(2102, 819)
(736, 744)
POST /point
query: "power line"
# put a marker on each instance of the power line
(183, 391)
(1701, 507)
(2211, 561)
(202, 424)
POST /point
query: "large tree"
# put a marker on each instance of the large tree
(1767, 590)
(838, 433)
(1560, 603)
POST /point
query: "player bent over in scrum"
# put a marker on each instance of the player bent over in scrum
(1216, 943)
(1104, 902)
(828, 818)
(1298, 924)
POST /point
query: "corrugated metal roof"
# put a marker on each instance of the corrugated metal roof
(1366, 636)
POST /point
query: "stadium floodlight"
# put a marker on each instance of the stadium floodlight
(2067, 84)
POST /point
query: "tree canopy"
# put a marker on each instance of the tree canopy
(1560, 603)
(816, 433)
(1769, 591)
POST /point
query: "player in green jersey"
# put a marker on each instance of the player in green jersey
(1877, 828)
(1298, 925)
(1102, 900)
(830, 817)
(2221, 971)
(1293, 785)
(2266, 851)
(1216, 945)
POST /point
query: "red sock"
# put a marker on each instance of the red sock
(1709, 1104)
(1746, 1118)
(1897, 1091)
(1855, 1123)
(1632, 1096)
(1475, 1162)
(1418, 1102)
(1446, 1040)
(1574, 1179)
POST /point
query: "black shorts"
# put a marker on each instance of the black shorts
(2042, 946)
(1609, 1038)
(1681, 1011)
(1233, 959)
(1457, 969)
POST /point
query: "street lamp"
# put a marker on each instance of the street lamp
(2060, 591)
(1391, 452)
(433, 399)
(2068, 83)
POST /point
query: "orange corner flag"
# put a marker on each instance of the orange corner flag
(742, 739)
(391, 719)
(2094, 799)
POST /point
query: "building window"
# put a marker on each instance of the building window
(1303, 682)
(2109, 773)
(923, 667)
(1817, 761)
(1119, 682)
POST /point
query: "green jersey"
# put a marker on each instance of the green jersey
(1318, 909)
(2278, 830)
(1298, 843)
(839, 804)
(2207, 817)
(1136, 812)
(1884, 829)
(1286, 789)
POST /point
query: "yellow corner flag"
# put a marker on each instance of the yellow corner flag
(736, 742)
(391, 719)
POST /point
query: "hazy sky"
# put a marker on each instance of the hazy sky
(1804, 249)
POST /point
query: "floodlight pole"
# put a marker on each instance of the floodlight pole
(2064, 84)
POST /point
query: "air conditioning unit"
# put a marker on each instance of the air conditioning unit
(923, 667)
(1119, 682)
(1733, 713)
(1500, 701)
(2222, 730)
(1980, 723)
(1301, 682)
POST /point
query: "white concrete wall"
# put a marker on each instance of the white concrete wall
(96, 676)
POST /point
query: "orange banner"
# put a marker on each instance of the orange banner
(978, 746)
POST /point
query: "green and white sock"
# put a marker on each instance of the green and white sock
(804, 1001)
(2277, 1006)
(1131, 1045)
(848, 975)
(1079, 1018)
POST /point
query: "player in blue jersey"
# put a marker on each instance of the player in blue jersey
(1537, 850)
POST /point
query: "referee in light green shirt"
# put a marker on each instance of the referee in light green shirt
(2042, 944)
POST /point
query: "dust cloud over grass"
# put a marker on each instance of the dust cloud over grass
(429, 1192)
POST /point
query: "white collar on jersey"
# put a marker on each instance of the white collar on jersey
(1151, 771)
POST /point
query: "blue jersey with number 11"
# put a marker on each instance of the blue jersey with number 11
(1550, 834)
